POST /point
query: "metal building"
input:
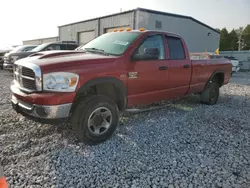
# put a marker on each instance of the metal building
(41, 40)
(198, 36)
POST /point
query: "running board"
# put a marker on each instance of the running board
(138, 110)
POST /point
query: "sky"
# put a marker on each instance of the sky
(31, 19)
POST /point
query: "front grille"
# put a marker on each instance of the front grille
(28, 72)
(25, 77)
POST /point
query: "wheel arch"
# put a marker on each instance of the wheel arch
(217, 76)
(109, 86)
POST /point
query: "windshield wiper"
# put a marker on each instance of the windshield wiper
(96, 50)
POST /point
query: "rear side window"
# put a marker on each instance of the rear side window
(53, 47)
(72, 46)
(176, 50)
(63, 46)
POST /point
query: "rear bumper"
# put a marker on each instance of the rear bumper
(51, 114)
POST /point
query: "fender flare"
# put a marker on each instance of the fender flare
(213, 74)
(106, 79)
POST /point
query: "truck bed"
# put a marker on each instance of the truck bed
(202, 70)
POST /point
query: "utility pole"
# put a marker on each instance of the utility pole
(239, 33)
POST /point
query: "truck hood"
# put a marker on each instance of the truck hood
(49, 60)
(18, 54)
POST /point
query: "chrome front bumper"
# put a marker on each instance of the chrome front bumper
(42, 112)
(7, 66)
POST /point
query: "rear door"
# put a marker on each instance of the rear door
(148, 78)
(180, 69)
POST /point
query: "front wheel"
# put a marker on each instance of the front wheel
(211, 94)
(95, 119)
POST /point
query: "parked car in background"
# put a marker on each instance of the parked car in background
(205, 55)
(64, 45)
(235, 63)
(2, 53)
(12, 56)
(90, 86)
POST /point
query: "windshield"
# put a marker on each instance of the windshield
(39, 48)
(17, 49)
(111, 43)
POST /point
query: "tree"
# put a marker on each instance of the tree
(246, 38)
(224, 42)
(232, 41)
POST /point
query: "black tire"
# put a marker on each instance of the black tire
(82, 114)
(211, 94)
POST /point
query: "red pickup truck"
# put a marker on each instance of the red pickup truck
(90, 86)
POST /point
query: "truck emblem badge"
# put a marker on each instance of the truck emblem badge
(132, 75)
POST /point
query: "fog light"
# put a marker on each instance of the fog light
(41, 111)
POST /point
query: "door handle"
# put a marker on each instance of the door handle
(163, 68)
(186, 66)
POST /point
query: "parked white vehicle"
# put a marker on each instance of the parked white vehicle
(206, 55)
(235, 64)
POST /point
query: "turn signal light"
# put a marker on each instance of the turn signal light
(73, 81)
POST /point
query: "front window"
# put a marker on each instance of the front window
(39, 48)
(115, 43)
(29, 48)
(18, 49)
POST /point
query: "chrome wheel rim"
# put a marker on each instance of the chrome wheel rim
(99, 121)
(213, 95)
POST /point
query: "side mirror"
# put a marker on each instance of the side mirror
(148, 53)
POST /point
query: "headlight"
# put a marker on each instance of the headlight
(13, 59)
(60, 81)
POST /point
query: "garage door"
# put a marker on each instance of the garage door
(107, 30)
(85, 37)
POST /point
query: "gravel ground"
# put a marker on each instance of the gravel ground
(184, 145)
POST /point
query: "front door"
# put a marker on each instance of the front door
(148, 78)
(180, 69)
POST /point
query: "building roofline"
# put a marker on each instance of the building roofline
(40, 39)
(149, 11)
(92, 19)
(178, 16)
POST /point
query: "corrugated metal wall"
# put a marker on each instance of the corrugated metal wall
(195, 35)
(121, 20)
(70, 32)
(40, 41)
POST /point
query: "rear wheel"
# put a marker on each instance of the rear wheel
(211, 94)
(95, 119)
